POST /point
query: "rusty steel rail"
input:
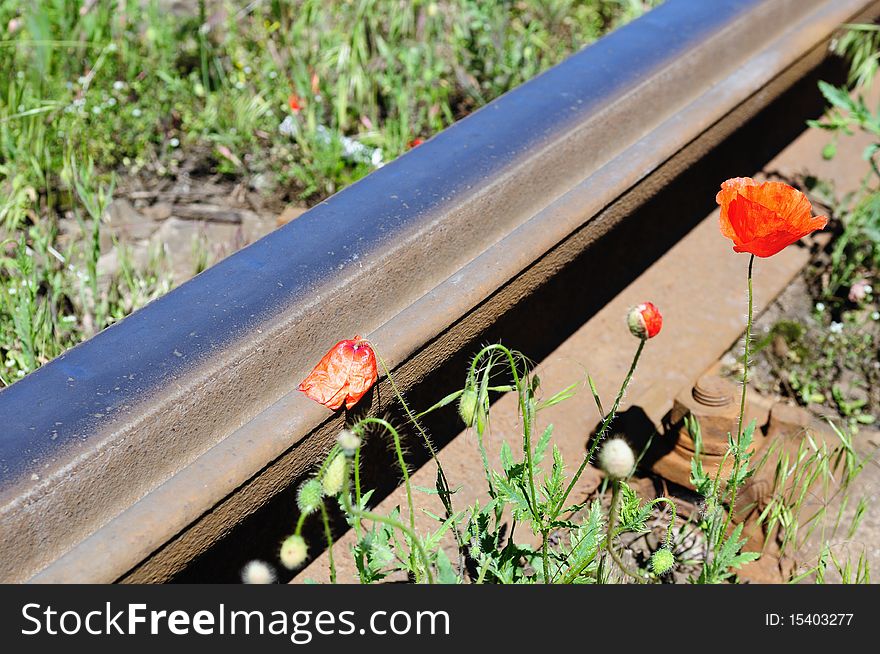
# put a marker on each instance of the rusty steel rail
(137, 451)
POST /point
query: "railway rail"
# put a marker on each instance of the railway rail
(138, 454)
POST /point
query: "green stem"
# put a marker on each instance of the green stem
(400, 460)
(609, 536)
(602, 430)
(329, 536)
(524, 410)
(545, 555)
(742, 404)
(391, 522)
(445, 492)
(357, 486)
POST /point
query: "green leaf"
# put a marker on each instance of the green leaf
(445, 572)
(442, 403)
(506, 458)
(632, 515)
(563, 395)
(541, 447)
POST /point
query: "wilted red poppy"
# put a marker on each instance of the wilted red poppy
(343, 376)
(644, 320)
(295, 103)
(763, 218)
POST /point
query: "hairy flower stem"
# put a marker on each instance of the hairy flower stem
(329, 536)
(742, 404)
(398, 449)
(357, 487)
(345, 496)
(526, 414)
(527, 419)
(444, 491)
(600, 435)
(609, 536)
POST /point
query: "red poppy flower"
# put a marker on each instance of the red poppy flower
(763, 218)
(416, 142)
(343, 376)
(644, 320)
(295, 103)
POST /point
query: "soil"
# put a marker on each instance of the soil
(189, 221)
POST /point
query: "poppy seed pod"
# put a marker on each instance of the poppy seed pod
(617, 458)
(662, 561)
(334, 476)
(644, 320)
(293, 551)
(257, 572)
(308, 498)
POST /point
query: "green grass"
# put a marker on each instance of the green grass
(94, 93)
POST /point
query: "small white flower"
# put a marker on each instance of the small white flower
(836, 327)
(875, 315)
(820, 307)
(174, 142)
(136, 112)
(118, 85)
(272, 74)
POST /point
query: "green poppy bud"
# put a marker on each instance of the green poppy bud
(468, 404)
(293, 552)
(662, 561)
(309, 497)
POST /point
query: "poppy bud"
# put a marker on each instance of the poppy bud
(334, 475)
(662, 561)
(348, 442)
(644, 321)
(467, 406)
(617, 458)
(308, 498)
(294, 552)
(257, 572)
